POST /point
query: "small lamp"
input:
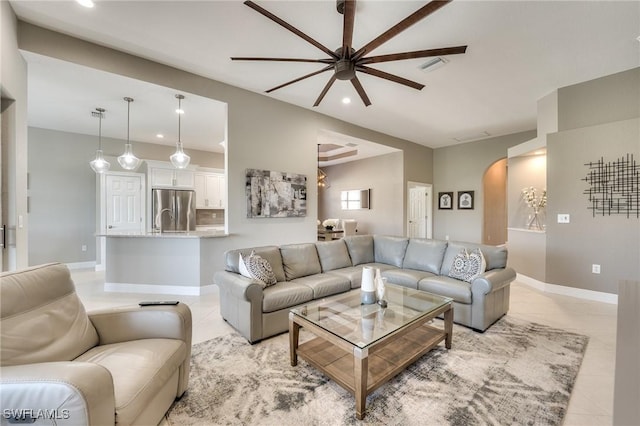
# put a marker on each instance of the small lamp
(99, 165)
(179, 159)
(128, 160)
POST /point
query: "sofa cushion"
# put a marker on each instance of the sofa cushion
(360, 249)
(324, 285)
(459, 291)
(468, 266)
(405, 277)
(285, 295)
(257, 268)
(42, 317)
(300, 260)
(270, 253)
(352, 273)
(333, 255)
(425, 255)
(389, 250)
(140, 369)
(495, 256)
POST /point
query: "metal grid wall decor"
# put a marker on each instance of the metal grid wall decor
(614, 187)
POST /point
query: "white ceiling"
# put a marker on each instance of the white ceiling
(518, 52)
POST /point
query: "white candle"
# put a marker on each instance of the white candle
(368, 275)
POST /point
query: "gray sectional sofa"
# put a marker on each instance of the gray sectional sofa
(310, 271)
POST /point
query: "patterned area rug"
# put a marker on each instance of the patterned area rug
(515, 373)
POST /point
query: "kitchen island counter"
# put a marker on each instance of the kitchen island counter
(162, 263)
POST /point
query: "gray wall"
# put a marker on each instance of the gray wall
(384, 176)
(62, 190)
(461, 168)
(600, 111)
(263, 133)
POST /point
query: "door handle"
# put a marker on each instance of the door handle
(3, 240)
(110, 226)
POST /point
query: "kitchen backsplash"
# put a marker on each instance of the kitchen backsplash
(210, 217)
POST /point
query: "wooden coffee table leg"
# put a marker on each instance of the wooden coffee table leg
(294, 334)
(360, 371)
(448, 327)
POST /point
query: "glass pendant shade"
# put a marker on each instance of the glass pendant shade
(99, 164)
(128, 160)
(179, 159)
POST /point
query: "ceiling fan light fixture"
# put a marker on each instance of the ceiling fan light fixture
(128, 160)
(179, 159)
(433, 64)
(99, 164)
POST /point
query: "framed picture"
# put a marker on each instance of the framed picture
(275, 194)
(445, 200)
(465, 200)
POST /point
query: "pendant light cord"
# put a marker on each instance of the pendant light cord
(179, 117)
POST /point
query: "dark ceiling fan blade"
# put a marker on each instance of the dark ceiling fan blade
(415, 17)
(412, 55)
(325, 90)
(391, 77)
(360, 90)
(347, 28)
(322, 61)
(290, 27)
(327, 68)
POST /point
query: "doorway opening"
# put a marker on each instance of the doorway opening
(494, 182)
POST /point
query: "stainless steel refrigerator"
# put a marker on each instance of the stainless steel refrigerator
(173, 210)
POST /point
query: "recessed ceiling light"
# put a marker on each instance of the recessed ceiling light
(346, 101)
(86, 3)
(160, 136)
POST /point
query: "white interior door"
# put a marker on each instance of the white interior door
(419, 210)
(124, 203)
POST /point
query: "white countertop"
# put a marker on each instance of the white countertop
(190, 234)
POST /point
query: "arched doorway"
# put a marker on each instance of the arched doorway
(494, 183)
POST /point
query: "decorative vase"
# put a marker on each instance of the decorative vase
(534, 220)
(381, 289)
(368, 287)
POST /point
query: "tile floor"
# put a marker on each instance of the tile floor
(592, 399)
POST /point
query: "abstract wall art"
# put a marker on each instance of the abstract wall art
(275, 194)
(614, 187)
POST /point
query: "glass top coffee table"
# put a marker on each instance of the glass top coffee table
(361, 347)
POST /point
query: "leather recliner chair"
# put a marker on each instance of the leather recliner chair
(124, 365)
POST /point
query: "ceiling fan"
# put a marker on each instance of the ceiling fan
(346, 61)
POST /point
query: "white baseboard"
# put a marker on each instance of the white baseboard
(81, 265)
(100, 267)
(580, 293)
(158, 289)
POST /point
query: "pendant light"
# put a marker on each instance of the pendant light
(128, 160)
(179, 159)
(99, 165)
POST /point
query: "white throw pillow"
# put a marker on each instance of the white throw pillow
(257, 268)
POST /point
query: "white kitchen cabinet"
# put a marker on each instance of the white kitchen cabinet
(171, 178)
(210, 190)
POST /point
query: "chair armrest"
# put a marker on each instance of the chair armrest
(148, 322)
(493, 280)
(69, 392)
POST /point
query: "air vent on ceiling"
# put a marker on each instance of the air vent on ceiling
(433, 64)
(469, 138)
